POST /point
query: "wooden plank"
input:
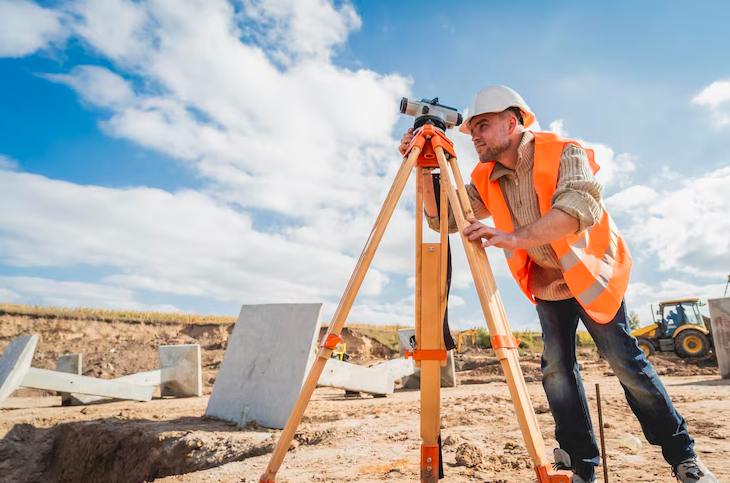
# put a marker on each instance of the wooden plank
(63, 382)
(15, 364)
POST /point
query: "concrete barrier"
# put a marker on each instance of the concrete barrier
(269, 354)
(720, 322)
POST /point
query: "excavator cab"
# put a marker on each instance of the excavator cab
(674, 314)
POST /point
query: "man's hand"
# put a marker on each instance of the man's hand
(405, 141)
(494, 237)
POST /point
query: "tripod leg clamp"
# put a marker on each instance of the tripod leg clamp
(331, 341)
(429, 463)
(545, 474)
(426, 355)
(505, 342)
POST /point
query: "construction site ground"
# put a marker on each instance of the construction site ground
(359, 439)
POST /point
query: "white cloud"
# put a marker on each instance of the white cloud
(8, 163)
(302, 27)
(183, 243)
(115, 28)
(98, 85)
(456, 301)
(401, 312)
(41, 291)
(8, 296)
(616, 170)
(26, 27)
(683, 223)
(716, 97)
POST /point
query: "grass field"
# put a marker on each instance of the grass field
(102, 315)
(385, 334)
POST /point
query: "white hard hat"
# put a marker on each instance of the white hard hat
(496, 99)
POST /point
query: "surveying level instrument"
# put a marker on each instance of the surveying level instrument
(430, 149)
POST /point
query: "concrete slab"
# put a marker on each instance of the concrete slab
(187, 379)
(406, 340)
(720, 322)
(72, 364)
(180, 375)
(63, 382)
(15, 364)
(399, 367)
(269, 354)
(352, 377)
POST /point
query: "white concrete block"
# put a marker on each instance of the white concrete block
(187, 377)
(269, 354)
(181, 374)
(15, 364)
(406, 338)
(352, 377)
(72, 364)
(720, 322)
(399, 367)
(63, 382)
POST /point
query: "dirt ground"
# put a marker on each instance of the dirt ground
(361, 439)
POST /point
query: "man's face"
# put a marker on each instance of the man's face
(490, 135)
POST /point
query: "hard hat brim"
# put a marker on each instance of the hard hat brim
(528, 119)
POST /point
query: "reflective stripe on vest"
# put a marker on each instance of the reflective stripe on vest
(596, 264)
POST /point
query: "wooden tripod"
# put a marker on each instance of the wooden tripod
(431, 149)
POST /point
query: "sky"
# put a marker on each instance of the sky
(197, 155)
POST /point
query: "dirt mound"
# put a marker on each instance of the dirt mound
(480, 367)
(669, 364)
(118, 451)
(511, 458)
(360, 347)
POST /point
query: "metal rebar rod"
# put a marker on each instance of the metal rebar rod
(600, 429)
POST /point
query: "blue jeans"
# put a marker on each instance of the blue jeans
(645, 393)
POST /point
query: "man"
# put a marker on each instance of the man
(569, 259)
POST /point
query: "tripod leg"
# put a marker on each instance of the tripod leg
(498, 326)
(430, 340)
(338, 320)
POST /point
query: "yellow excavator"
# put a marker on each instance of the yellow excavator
(679, 328)
(460, 339)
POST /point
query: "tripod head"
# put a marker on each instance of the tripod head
(429, 111)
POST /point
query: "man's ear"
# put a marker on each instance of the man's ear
(512, 125)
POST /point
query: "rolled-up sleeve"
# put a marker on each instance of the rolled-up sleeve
(578, 193)
(480, 211)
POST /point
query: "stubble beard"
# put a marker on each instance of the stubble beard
(493, 153)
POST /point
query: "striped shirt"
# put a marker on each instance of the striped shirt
(577, 194)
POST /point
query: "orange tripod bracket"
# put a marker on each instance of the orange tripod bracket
(331, 341)
(428, 138)
(426, 355)
(429, 463)
(505, 342)
(545, 474)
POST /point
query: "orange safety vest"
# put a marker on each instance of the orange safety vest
(596, 264)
